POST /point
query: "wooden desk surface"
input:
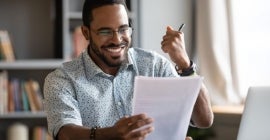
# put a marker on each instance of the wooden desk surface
(237, 109)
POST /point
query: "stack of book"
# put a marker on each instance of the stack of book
(19, 95)
(6, 49)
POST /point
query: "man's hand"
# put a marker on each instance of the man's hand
(173, 43)
(130, 128)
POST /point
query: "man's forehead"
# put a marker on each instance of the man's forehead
(110, 10)
(110, 14)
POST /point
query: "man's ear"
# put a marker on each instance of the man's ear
(85, 32)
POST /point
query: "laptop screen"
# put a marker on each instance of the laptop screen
(255, 121)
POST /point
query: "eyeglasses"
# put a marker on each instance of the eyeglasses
(109, 33)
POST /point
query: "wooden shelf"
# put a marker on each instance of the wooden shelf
(23, 115)
(32, 64)
(237, 109)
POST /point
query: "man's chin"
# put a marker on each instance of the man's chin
(114, 62)
(114, 65)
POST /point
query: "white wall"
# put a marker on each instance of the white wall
(252, 34)
(154, 17)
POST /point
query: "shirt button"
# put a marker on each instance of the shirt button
(119, 103)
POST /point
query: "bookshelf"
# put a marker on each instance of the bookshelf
(41, 37)
(31, 120)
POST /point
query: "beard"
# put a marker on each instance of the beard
(111, 61)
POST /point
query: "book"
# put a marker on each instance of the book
(3, 92)
(30, 96)
(11, 102)
(16, 94)
(40, 133)
(6, 49)
(37, 94)
(37, 133)
(33, 92)
(25, 101)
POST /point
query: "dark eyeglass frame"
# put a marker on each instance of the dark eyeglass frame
(108, 33)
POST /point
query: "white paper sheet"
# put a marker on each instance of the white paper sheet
(169, 101)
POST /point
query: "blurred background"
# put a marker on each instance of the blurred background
(227, 39)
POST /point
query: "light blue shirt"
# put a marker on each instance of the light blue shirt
(80, 93)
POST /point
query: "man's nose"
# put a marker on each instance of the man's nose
(116, 38)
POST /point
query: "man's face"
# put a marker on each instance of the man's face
(109, 48)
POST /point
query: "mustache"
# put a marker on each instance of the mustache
(122, 44)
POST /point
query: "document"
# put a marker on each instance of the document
(169, 101)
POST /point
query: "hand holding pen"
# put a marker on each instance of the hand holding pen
(173, 43)
(172, 36)
(181, 27)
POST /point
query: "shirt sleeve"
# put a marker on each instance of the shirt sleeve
(60, 102)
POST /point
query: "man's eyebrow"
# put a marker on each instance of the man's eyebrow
(123, 26)
(104, 28)
(108, 28)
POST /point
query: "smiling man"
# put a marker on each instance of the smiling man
(91, 96)
(109, 34)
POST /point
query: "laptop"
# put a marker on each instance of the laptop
(255, 120)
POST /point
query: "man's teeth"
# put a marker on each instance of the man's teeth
(114, 50)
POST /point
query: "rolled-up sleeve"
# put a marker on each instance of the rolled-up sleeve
(60, 102)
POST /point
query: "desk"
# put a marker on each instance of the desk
(228, 109)
(226, 122)
(225, 126)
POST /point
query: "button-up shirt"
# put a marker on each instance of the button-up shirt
(80, 93)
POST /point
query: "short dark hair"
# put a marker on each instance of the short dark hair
(89, 5)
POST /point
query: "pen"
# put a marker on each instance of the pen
(181, 27)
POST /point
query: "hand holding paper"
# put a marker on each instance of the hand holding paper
(169, 101)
